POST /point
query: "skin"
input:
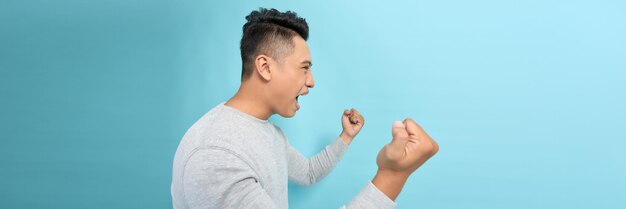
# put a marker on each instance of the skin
(273, 87)
(409, 149)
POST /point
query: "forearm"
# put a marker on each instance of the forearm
(324, 161)
(345, 138)
(307, 171)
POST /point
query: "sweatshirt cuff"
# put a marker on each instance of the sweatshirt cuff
(371, 197)
(338, 148)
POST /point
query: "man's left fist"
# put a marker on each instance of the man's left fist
(352, 122)
(355, 117)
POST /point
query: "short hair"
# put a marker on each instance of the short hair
(269, 32)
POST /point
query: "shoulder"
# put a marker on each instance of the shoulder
(218, 126)
(279, 131)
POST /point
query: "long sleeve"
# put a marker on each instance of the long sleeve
(231, 160)
(216, 178)
(305, 171)
(370, 198)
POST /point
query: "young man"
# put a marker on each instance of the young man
(233, 157)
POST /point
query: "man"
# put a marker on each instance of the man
(233, 157)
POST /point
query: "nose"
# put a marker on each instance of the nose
(309, 80)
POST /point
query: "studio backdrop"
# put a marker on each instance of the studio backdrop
(525, 98)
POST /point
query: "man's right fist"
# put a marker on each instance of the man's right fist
(408, 150)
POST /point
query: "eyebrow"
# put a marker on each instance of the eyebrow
(307, 62)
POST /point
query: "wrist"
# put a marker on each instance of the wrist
(390, 182)
(346, 138)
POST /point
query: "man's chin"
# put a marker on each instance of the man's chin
(289, 114)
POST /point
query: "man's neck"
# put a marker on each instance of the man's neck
(245, 102)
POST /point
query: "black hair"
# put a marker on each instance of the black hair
(269, 32)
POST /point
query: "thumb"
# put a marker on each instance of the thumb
(399, 134)
(344, 117)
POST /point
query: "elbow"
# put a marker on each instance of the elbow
(309, 181)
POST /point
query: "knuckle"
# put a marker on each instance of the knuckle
(434, 148)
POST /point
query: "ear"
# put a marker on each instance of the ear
(262, 67)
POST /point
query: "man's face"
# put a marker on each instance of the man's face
(291, 78)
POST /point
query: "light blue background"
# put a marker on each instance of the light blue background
(526, 98)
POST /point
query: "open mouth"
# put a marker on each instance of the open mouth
(297, 98)
(297, 105)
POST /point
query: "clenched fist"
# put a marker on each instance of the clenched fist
(352, 122)
(410, 147)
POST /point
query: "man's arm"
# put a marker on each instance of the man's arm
(409, 149)
(305, 171)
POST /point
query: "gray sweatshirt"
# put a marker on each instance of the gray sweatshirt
(229, 159)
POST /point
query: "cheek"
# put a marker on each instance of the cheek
(296, 80)
(301, 78)
(288, 85)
